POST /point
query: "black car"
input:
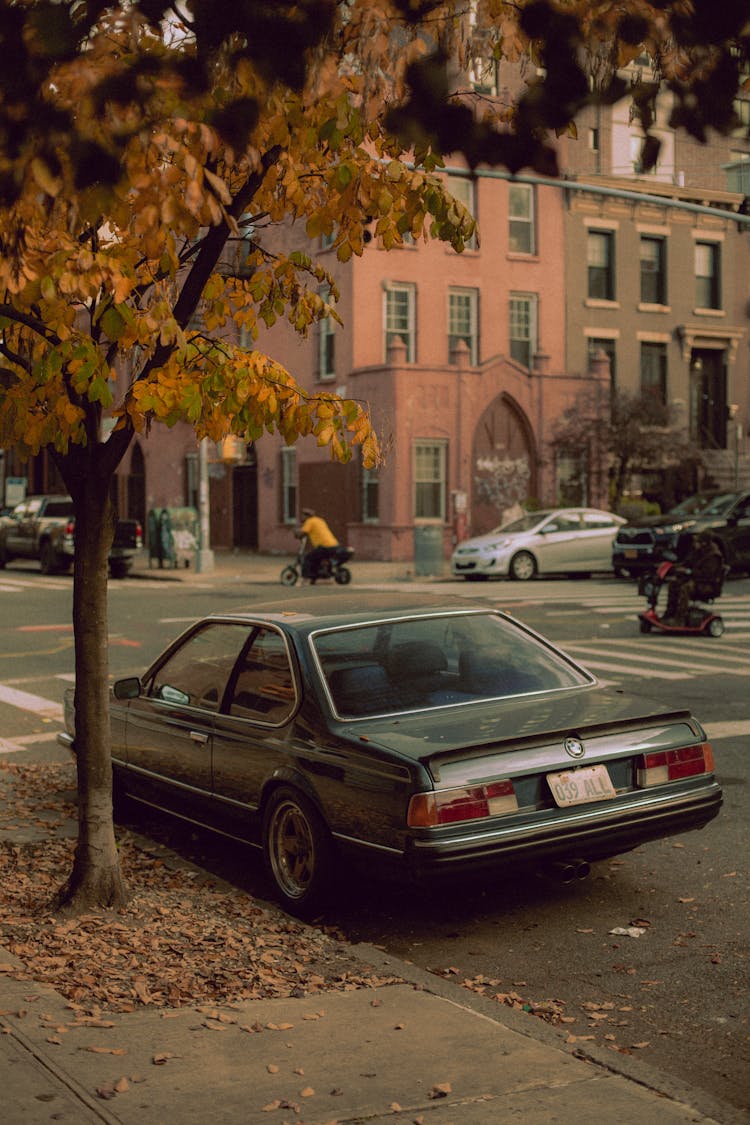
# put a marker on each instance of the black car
(640, 545)
(418, 737)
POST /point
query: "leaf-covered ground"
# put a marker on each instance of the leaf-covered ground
(184, 937)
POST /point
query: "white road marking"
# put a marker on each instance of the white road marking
(15, 745)
(45, 708)
(729, 729)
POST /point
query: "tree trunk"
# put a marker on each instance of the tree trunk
(96, 878)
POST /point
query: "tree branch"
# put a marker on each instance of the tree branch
(31, 322)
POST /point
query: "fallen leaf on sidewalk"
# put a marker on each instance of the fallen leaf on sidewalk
(105, 1050)
(160, 950)
(441, 1090)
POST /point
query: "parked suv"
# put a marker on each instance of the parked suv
(640, 544)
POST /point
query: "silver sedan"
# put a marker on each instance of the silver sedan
(557, 541)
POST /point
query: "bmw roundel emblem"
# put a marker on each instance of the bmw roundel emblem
(574, 747)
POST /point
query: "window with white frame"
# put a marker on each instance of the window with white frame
(654, 370)
(521, 225)
(653, 270)
(326, 342)
(707, 276)
(600, 247)
(463, 189)
(370, 496)
(289, 485)
(429, 480)
(483, 74)
(523, 327)
(400, 302)
(462, 321)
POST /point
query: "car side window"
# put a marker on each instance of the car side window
(563, 523)
(262, 686)
(198, 672)
(593, 523)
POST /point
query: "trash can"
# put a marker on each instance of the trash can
(172, 536)
(428, 549)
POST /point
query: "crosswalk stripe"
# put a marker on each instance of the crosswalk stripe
(649, 660)
(28, 702)
(596, 665)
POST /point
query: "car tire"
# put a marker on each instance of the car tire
(289, 576)
(645, 626)
(4, 560)
(47, 559)
(522, 567)
(297, 850)
(343, 576)
(119, 569)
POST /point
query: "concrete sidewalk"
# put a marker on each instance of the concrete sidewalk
(253, 567)
(411, 1052)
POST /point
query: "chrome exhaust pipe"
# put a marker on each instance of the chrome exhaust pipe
(567, 871)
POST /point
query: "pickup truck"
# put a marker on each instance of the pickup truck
(43, 528)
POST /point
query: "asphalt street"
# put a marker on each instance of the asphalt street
(676, 995)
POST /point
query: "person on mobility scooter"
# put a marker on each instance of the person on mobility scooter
(694, 573)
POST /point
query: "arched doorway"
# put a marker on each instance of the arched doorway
(504, 467)
(136, 486)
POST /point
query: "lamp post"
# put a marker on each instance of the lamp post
(737, 427)
(204, 557)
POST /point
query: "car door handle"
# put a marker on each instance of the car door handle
(198, 736)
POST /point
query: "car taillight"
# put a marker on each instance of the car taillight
(138, 535)
(672, 765)
(70, 527)
(426, 810)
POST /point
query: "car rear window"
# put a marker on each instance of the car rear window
(60, 509)
(436, 661)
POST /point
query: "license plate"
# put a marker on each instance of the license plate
(631, 554)
(579, 787)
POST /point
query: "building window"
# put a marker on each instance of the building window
(462, 321)
(523, 335)
(289, 485)
(370, 496)
(400, 301)
(601, 265)
(483, 74)
(462, 189)
(429, 480)
(326, 342)
(606, 345)
(522, 232)
(594, 140)
(707, 264)
(653, 271)
(742, 110)
(654, 370)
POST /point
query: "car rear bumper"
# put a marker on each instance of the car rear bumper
(590, 834)
(489, 567)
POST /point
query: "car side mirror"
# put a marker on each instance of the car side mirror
(128, 688)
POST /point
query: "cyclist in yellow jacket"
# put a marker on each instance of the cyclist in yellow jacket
(321, 541)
